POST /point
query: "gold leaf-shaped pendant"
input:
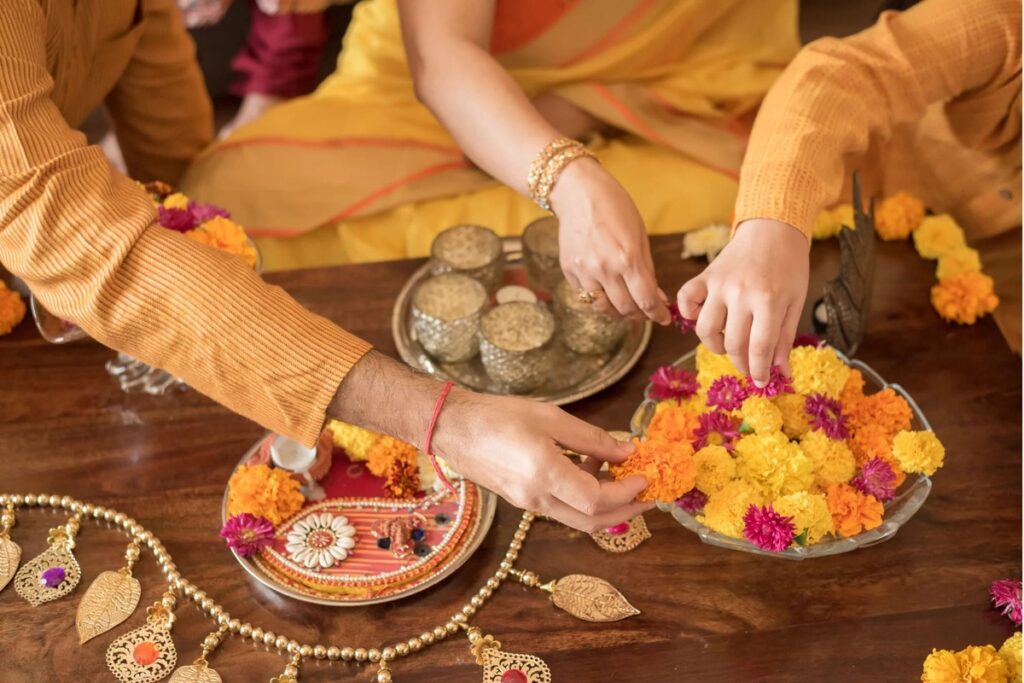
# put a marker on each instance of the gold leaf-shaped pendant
(195, 673)
(144, 655)
(591, 599)
(509, 667)
(624, 537)
(48, 576)
(111, 599)
(10, 556)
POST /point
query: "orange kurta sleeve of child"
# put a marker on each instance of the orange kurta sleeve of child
(875, 100)
(83, 237)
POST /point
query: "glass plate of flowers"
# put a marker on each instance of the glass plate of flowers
(830, 460)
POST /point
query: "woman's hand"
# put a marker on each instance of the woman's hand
(603, 243)
(748, 302)
(513, 446)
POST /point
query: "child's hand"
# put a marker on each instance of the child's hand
(748, 302)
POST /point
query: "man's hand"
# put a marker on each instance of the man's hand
(748, 302)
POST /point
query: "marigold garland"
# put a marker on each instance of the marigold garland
(898, 216)
(12, 309)
(965, 297)
(957, 262)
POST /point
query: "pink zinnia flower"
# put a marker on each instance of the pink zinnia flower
(826, 414)
(693, 501)
(877, 479)
(179, 220)
(778, 383)
(807, 339)
(727, 393)
(247, 534)
(716, 428)
(767, 529)
(684, 324)
(204, 212)
(1006, 596)
(672, 382)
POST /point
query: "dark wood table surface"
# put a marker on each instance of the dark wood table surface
(707, 614)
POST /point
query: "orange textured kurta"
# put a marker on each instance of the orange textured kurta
(927, 101)
(83, 236)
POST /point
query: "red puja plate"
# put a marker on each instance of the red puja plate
(450, 527)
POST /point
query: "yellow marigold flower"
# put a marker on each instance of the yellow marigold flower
(724, 510)
(707, 241)
(12, 309)
(965, 297)
(962, 260)
(773, 464)
(356, 441)
(825, 225)
(387, 450)
(667, 466)
(853, 511)
(973, 664)
(843, 216)
(795, 422)
(918, 452)
(175, 201)
(809, 512)
(818, 371)
(264, 491)
(938, 235)
(715, 468)
(1011, 654)
(833, 460)
(898, 216)
(761, 415)
(672, 422)
(226, 235)
(711, 366)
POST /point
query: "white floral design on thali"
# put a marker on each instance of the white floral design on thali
(321, 541)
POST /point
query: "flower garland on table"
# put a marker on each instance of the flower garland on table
(983, 663)
(148, 653)
(790, 463)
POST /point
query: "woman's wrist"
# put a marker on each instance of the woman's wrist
(572, 184)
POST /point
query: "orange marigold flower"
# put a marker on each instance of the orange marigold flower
(226, 235)
(402, 479)
(12, 309)
(965, 297)
(667, 466)
(898, 216)
(673, 422)
(852, 511)
(385, 451)
(264, 491)
(853, 391)
(885, 409)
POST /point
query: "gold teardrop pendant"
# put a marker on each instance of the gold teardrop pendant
(146, 654)
(200, 672)
(110, 599)
(10, 552)
(584, 597)
(55, 572)
(505, 667)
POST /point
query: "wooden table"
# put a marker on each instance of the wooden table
(707, 614)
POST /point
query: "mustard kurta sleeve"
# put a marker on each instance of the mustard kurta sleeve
(160, 108)
(841, 97)
(82, 236)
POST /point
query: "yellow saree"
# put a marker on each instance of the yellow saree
(360, 170)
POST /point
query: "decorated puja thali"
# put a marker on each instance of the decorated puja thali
(347, 538)
(521, 301)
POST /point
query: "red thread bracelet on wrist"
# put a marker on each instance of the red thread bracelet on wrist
(430, 435)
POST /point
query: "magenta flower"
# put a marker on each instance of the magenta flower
(247, 534)
(727, 393)
(693, 501)
(1006, 596)
(684, 324)
(877, 479)
(767, 529)
(672, 382)
(179, 220)
(778, 383)
(826, 414)
(716, 429)
(204, 212)
(807, 339)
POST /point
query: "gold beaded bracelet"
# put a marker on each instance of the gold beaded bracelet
(548, 166)
(147, 653)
